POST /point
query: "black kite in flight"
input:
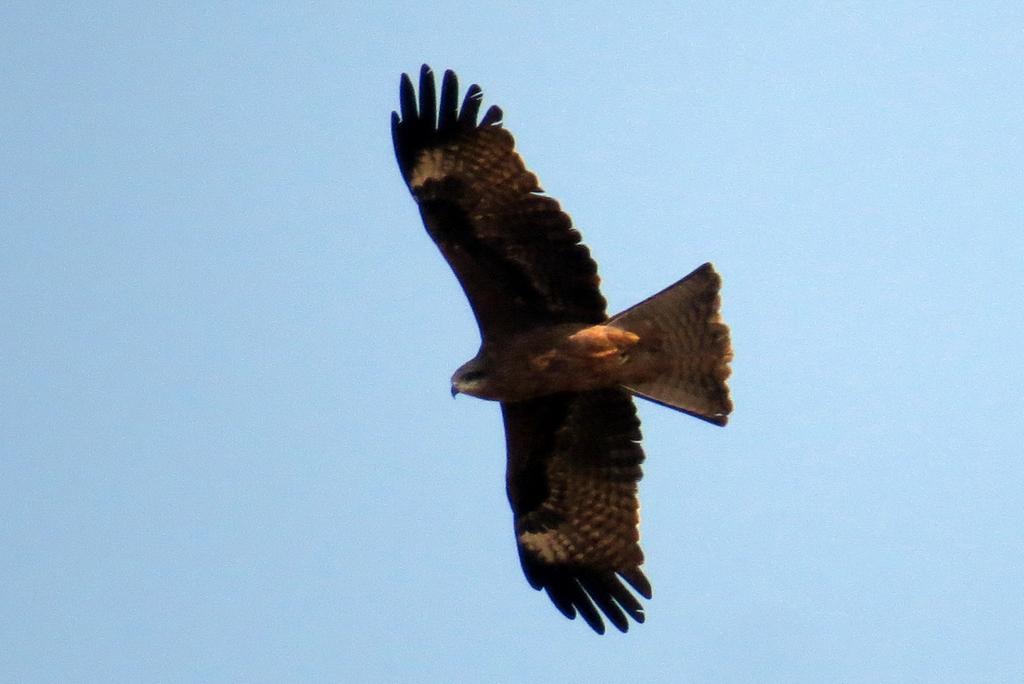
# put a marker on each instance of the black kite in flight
(563, 371)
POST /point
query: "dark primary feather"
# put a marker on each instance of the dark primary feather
(513, 249)
(573, 467)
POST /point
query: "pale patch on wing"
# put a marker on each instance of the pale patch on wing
(602, 341)
(550, 545)
(431, 165)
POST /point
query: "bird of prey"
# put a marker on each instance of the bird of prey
(564, 372)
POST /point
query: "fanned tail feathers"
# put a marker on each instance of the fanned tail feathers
(684, 323)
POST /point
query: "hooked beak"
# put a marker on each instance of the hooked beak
(455, 390)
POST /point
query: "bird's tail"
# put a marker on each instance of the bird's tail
(683, 324)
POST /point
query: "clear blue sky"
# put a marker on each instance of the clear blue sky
(228, 449)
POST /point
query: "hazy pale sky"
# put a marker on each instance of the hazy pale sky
(227, 446)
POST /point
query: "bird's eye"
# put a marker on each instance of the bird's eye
(472, 376)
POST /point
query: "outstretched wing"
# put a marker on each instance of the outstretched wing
(513, 249)
(573, 466)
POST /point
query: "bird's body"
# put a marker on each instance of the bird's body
(564, 372)
(570, 357)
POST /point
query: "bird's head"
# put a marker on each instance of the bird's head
(471, 378)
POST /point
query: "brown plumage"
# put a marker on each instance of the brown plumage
(563, 371)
